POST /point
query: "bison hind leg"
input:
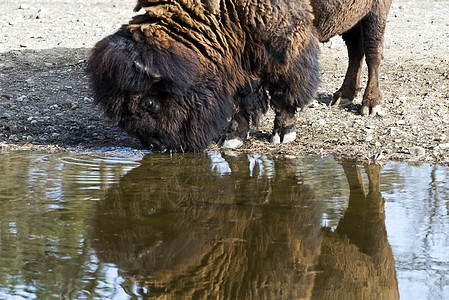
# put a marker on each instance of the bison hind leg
(351, 84)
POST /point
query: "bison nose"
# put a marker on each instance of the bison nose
(156, 144)
(151, 143)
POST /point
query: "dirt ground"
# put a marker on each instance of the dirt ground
(45, 101)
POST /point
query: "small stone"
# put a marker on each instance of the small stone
(369, 138)
(29, 138)
(41, 13)
(21, 98)
(403, 191)
(369, 131)
(314, 104)
(444, 146)
(378, 144)
(400, 122)
(13, 138)
(417, 151)
(319, 123)
(381, 113)
(55, 134)
(392, 130)
(324, 96)
(24, 6)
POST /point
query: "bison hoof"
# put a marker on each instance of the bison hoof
(232, 143)
(375, 110)
(275, 139)
(340, 102)
(287, 138)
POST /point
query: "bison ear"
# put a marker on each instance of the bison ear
(144, 69)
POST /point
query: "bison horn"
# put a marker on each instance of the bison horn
(154, 76)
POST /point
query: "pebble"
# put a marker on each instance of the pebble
(314, 104)
(392, 130)
(369, 131)
(444, 146)
(14, 138)
(324, 96)
(319, 123)
(417, 151)
(369, 138)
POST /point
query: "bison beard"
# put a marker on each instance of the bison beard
(183, 72)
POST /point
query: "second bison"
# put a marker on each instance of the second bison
(362, 25)
(183, 72)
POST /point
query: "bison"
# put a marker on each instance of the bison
(183, 72)
(362, 25)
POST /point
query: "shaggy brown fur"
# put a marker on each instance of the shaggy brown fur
(176, 74)
(362, 25)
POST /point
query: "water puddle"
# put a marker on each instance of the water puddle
(212, 225)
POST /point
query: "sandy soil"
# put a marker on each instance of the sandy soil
(45, 101)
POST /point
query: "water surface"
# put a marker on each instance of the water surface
(212, 225)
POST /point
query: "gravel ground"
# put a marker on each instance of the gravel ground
(45, 102)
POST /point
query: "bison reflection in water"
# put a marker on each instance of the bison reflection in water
(186, 227)
(356, 261)
(190, 231)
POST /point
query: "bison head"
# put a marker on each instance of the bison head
(159, 91)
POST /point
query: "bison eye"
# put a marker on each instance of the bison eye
(150, 105)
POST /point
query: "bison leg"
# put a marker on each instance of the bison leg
(373, 36)
(351, 83)
(250, 102)
(284, 127)
(237, 132)
(294, 89)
